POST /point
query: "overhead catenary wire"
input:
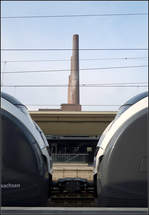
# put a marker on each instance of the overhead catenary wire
(73, 15)
(83, 69)
(90, 84)
(81, 105)
(15, 86)
(87, 59)
(131, 84)
(67, 49)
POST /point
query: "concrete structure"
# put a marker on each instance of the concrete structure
(73, 123)
(70, 107)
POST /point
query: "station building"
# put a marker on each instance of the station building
(72, 135)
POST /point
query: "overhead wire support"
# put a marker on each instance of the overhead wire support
(73, 15)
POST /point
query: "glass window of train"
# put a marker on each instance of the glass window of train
(130, 102)
(121, 110)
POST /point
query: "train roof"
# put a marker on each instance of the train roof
(136, 98)
(11, 99)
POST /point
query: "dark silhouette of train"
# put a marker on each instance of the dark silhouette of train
(26, 159)
(120, 174)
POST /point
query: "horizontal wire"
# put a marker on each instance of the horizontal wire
(89, 49)
(83, 84)
(83, 69)
(60, 104)
(43, 86)
(93, 59)
(73, 15)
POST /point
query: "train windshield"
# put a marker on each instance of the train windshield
(122, 109)
(16, 103)
(130, 102)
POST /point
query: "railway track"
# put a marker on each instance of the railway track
(72, 192)
(65, 199)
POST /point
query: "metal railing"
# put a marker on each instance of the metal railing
(70, 158)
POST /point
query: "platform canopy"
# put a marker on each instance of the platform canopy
(62, 123)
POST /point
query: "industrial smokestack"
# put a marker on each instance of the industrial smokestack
(73, 88)
(73, 85)
(70, 85)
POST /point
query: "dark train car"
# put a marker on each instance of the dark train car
(101, 145)
(122, 169)
(26, 163)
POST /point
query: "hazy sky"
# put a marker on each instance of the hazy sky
(94, 32)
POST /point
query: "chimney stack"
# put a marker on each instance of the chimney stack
(73, 85)
(74, 76)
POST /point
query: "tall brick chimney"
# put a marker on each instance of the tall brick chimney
(73, 85)
(73, 97)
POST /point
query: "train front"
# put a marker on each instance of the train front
(26, 172)
(122, 170)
